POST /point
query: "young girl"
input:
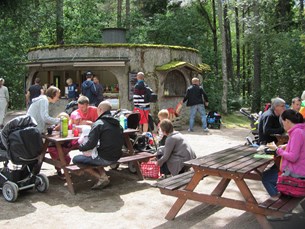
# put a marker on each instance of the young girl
(163, 114)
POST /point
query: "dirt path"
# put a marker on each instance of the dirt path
(128, 203)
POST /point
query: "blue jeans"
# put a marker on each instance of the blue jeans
(269, 180)
(200, 108)
(82, 159)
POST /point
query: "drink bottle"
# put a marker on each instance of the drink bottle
(63, 127)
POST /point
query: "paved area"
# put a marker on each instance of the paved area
(129, 203)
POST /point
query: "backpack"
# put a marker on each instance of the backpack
(25, 145)
(150, 96)
(291, 186)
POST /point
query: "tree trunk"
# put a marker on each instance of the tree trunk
(302, 21)
(257, 64)
(224, 99)
(243, 57)
(212, 25)
(119, 14)
(237, 50)
(59, 21)
(127, 14)
(229, 58)
(215, 47)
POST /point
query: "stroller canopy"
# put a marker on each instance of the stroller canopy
(17, 123)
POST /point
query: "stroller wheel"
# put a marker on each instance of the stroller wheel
(131, 167)
(42, 183)
(10, 191)
(114, 166)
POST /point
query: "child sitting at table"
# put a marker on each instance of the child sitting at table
(175, 151)
(83, 139)
(163, 114)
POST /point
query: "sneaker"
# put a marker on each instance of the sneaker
(206, 130)
(101, 183)
(190, 130)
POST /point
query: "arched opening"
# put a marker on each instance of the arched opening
(175, 84)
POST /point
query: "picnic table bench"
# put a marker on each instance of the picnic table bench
(236, 163)
(79, 169)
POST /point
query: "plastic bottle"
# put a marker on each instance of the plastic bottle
(125, 122)
(63, 127)
(122, 121)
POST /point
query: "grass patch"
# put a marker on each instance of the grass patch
(235, 120)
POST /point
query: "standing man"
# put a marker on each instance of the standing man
(89, 89)
(34, 91)
(140, 101)
(107, 135)
(4, 98)
(99, 90)
(197, 99)
(269, 125)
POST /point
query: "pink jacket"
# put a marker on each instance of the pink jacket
(293, 157)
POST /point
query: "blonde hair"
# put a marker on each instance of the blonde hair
(195, 80)
(69, 81)
(163, 114)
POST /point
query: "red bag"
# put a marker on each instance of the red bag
(150, 169)
(291, 186)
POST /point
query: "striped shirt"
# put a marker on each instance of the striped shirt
(139, 96)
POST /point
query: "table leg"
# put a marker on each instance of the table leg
(197, 177)
(221, 187)
(63, 166)
(244, 189)
(129, 145)
(137, 166)
(37, 167)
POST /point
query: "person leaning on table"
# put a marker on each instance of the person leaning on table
(107, 135)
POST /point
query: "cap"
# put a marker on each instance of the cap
(89, 73)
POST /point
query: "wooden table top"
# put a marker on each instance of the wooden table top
(236, 159)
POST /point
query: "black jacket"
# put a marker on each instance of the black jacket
(269, 124)
(194, 95)
(108, 131)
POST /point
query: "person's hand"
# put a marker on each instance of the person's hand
(272, 146)
(282, 146)
(206, 104)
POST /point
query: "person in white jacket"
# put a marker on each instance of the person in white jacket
(39, 109)
(4, 98)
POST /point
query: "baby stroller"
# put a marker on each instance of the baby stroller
(20, 146)
(254, 119)
(213, 120)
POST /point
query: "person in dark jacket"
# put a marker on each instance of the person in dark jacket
(197, 99)
(269, 122)
(89, 89)
(107, 135)
(99, 91)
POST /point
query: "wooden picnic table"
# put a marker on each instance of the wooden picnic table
(56, 139)
(237, 164)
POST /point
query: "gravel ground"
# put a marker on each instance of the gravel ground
(129, 203)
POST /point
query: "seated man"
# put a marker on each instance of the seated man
(107, 131)
(85, 114)
(269, 125)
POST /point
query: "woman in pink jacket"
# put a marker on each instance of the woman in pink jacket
(293, 154)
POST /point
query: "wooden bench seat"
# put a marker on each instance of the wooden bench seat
(136, 159)
(284, 204)
(175, 182)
